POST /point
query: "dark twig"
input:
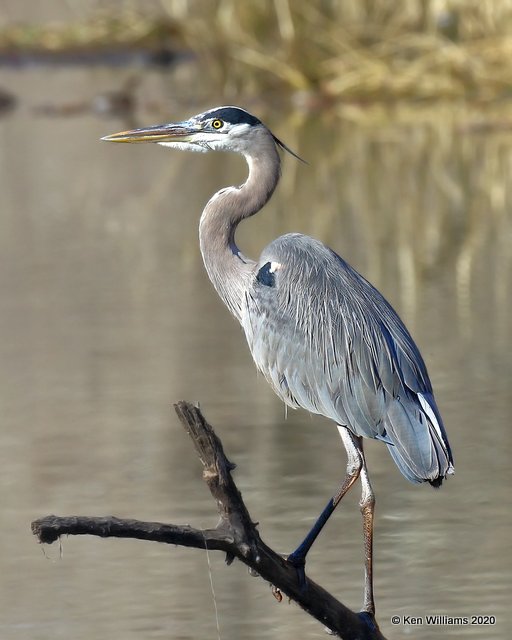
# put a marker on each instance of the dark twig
(236, 535)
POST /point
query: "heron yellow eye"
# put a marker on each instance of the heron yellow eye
(217, 124)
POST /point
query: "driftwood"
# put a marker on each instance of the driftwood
(236, 535)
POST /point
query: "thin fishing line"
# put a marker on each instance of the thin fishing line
(210, 575)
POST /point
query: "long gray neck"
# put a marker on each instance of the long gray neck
(228, 269)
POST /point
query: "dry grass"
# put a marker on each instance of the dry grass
(330, 52)
(356, 50)
(106, 30)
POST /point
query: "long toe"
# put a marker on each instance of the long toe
(369, 619)
(299, 563)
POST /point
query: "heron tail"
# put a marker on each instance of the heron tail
(420, 446)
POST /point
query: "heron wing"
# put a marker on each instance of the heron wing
(327, 341)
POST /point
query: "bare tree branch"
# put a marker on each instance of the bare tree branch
(236, 535)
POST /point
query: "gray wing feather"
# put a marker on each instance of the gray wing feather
(327, 341)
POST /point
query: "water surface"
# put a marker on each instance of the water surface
(107, 318)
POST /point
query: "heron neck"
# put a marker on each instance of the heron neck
(228, 269)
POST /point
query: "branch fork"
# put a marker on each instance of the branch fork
(236, 535)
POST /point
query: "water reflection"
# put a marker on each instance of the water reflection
(108, 317)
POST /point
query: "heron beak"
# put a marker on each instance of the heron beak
(174, 132)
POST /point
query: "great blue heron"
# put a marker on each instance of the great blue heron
(324, 338)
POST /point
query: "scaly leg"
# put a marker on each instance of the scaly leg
(367, 506)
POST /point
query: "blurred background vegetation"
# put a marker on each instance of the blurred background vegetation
(336, 54)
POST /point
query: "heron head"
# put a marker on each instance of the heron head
(219, 129)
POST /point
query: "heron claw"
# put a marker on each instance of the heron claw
(299, 563)
(369, 619)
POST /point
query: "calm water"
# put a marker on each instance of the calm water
(107, 318)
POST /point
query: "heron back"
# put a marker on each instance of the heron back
(328, 341)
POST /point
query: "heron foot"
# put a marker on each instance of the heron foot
(369, 619)
(298, 561)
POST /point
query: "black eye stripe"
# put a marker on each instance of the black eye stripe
(230, 115)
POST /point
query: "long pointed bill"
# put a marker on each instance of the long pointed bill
(174, 132)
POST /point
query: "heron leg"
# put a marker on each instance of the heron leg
(367, 506)
(355, 460)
